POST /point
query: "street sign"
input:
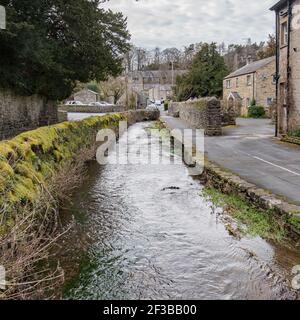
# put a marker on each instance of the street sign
(2, 18)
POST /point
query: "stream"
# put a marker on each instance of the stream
(146, 232)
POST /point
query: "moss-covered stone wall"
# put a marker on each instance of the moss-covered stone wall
(29, 160)
(204, 113)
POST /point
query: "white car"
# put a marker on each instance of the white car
(101, 104)
(74, 103)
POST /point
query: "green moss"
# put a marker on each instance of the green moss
(200, 104)
(294, 221)
(6, 151)
(257, 222)
(25, 191)
(33, 157)
(5, 169)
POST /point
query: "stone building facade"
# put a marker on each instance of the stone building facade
(86, 96)
(288, 65)
(155, 85)
(18, 113)
(254, 81)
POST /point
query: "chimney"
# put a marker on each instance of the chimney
(249, 60)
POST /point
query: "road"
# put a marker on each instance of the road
(251, 151)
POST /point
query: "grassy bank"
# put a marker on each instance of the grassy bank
(250, 220)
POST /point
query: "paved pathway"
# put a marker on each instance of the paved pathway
(251, 151)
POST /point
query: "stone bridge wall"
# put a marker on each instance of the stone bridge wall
(18, 113)
(204, 113)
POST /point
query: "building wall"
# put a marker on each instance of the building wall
(86, 96)
(265, 87)
(289, 106)
(18, 114)
(246, 92)
(294, 119)
(156, 84)
(261, 88)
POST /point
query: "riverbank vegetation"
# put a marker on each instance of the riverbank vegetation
(250, 220)
(39, 171)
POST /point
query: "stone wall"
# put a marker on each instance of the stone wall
(204, 113)
(265, 87)
(18, 113)
(22, 175)
(91, 109)
(228, 114)
(294, 111)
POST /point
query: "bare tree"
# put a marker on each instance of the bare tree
(114, 87)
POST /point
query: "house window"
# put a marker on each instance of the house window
(269, 101)
(284, 34)
(237, 82)
(248, 102)
(228, 84)
(249, 80)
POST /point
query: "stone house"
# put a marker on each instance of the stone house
(287, 65)
(86, 96)
(255, 81)
(155, 85)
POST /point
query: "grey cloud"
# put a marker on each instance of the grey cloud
(176, 23)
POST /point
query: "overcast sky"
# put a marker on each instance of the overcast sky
(175, 23)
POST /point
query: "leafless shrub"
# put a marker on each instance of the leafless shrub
(25, 250)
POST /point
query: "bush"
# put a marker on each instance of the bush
(256, 112)
(295, 133)
(166, 105)
(93, 86)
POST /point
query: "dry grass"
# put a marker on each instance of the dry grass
(25, 248)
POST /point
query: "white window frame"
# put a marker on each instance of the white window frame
(284, 33)
(249, 80)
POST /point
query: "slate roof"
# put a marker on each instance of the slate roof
(236, 95)
(251, 68)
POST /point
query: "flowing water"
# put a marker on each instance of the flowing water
(146, 232)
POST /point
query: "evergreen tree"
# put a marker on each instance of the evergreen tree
(49, 45)
(205, 77)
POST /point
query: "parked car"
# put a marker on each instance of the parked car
(97, 104)
(107, 103)
(74, 103)
(101, 104)
(158, 103)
